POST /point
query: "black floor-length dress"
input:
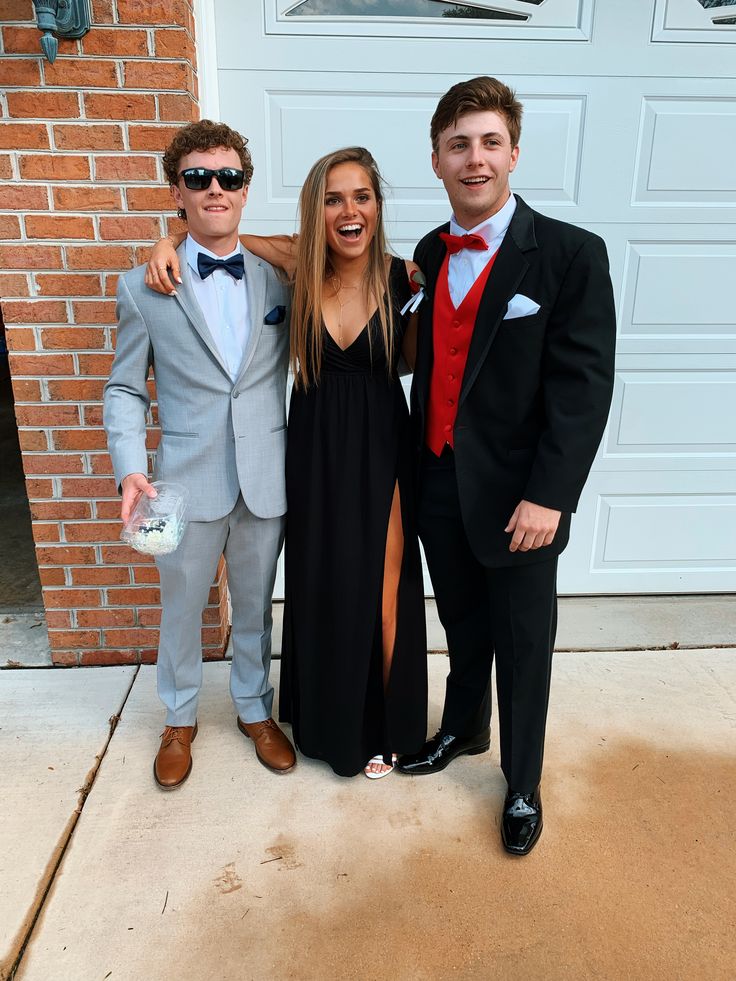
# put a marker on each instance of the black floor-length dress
(348, 446)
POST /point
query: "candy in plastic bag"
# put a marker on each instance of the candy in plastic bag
(156, 524)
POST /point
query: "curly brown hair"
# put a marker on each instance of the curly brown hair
(481, 94)
(205, 135)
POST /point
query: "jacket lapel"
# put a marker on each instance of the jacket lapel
(508, 270)
(188, 302)
(255, 284)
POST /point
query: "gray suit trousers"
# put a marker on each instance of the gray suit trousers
(251, 548)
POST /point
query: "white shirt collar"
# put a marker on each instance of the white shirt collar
(193, 248)
(492, 227)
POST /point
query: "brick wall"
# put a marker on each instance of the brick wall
(82, 198)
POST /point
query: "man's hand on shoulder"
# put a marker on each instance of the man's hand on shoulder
(133, 486)
(533, 526)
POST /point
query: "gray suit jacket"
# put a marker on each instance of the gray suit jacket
(218, 438)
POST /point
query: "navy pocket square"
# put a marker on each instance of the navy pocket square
(275, 316)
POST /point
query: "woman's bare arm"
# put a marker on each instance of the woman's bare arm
(409, 344)
(163, 269)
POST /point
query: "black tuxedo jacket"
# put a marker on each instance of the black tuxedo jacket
(537, 389)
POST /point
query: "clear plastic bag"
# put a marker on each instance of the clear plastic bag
(156, 524)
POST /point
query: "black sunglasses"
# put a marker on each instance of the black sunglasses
(200, 178)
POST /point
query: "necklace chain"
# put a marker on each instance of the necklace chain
(338, 287)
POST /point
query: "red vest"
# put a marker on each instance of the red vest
(452, 331)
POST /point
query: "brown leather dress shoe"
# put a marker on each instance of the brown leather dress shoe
(273, 748)
(173, 762)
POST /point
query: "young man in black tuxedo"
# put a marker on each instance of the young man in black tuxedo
(512, 386)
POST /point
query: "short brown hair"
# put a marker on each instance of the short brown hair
(482, 94)
(205, 135)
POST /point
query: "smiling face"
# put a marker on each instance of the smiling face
(473, 160)
(351, 210)
(213, 214)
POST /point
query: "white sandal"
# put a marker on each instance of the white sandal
(379, 759)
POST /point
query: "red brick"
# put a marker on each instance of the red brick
(174, 44)
(125, 168)
(108, 509)
(23, 197)
(24, 40)
(67, 284)
(56, 463)
(152, 12)
(72, 338)
(119, 106)
(98, 575)
(149, 616)
(86, 73)
(153, 438)
(145, 574)
(16, 10)
(151, 137)
(10, 226)
(51, 577)
(100, 464)
(6, 167)
(34, 311)
(103, 12)
(76, 390)
(47, 415)
(65, 659)
(157, 75)
(126, 227)
(79, 439)
(73, 638)
(177, 108)
(133, 596)
(42, 105)
(99, 257)
(94, 312)
(45, 531)
(60, 510)
(33, 365)
(111, 284)
(123, 554)
(115, 41)
(88, 137)
(20, 338)
(142, 253)
(58, 618)
(130, 636)
(54, 167)
(92, 415)
(13, 285)
(106, 618)
(19, 71)
(107, 658)
(26, 390)
(95, 364)
(87, 199)
(23, 136)
(148, 656)
(37, 487)
(32, 440)
(59, 226)
(149, 199)
(30, 256)
(66, 555)
(92, 531)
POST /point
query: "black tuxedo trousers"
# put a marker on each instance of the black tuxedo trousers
(508, 613)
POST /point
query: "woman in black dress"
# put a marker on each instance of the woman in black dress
(353, 664)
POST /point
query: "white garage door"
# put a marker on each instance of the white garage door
(630, 130)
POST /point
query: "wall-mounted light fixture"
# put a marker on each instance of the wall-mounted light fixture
(63, 18)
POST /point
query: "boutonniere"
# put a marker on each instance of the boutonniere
(418, 285)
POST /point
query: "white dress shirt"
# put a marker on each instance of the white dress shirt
(224, 303)
(466, 265)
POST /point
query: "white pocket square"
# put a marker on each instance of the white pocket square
(520, 306)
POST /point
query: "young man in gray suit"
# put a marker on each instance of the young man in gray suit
(219, 351)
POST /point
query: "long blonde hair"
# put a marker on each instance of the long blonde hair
(313, 267)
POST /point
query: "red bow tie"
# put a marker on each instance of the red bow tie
(455, 243)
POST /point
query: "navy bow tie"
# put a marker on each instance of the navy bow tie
(206, 265)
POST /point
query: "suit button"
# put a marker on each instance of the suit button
(450, 401)
(236, 394)
(453, 350)
(451, 378)
(448, 429)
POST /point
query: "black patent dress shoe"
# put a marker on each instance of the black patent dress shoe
(442, 749)
(521, 824)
